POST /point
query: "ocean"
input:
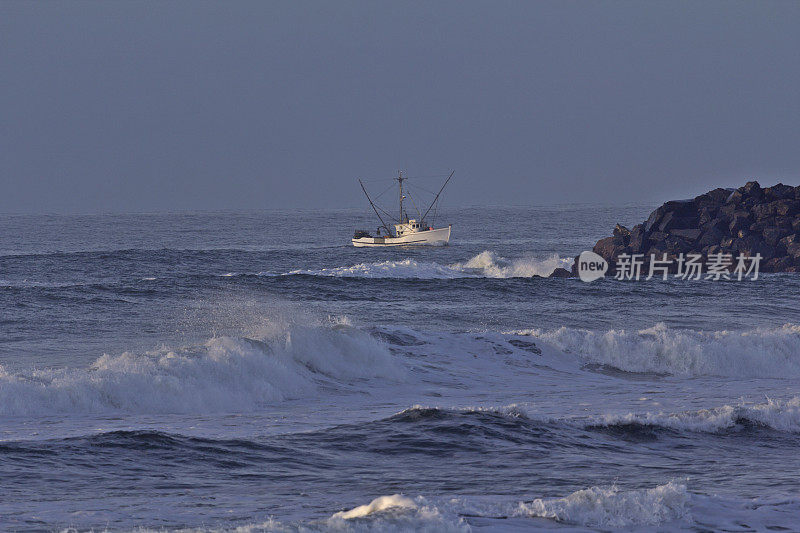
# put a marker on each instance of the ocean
(254, 372)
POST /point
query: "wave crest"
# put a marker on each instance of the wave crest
(484, 265)
(778, 415)
(611, 507)
(660, 349)
(224, 374)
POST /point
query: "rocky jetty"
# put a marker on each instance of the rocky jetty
(746, 221)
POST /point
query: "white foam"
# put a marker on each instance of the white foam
(389, 514)
(757, 353)
(781, 415)
(484, 265)
(405, 269)
(395, 513)
(611, 507)
(225, 374)
(776, 414)
(668, 507)
(488, 264)
(378, 504)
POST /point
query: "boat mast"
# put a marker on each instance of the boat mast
(400, 179)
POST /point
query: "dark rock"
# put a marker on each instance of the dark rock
(719, 195)
(753, 190)
(779, 192)
(560, 273)
(688, 234)
(672, 209)
(763, 211)
(739, 221)
(726, 212)
(772, 235)
(790, 239)
(623, 233)
(706, 215)
(609, 248)
(684, 223)
(657, 236)
(776, 264)
(784, 208)
(654, 218)
(711, 236)
(656, 249)
(682, 208)
(677, 245)
(752, 245)
(574, 269)
(785, 225)
(704, 201)
(746, 245)
(748, 221)
(719, 224)
(768, 252)
(637, 238)
(734, 198)
(666, 221)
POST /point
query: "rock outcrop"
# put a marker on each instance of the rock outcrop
(746, 221)
(560, 273)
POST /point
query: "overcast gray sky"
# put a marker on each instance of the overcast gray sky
(153, 106)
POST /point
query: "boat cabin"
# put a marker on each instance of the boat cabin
(411, 226)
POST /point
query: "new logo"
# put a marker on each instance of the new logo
(591, 266)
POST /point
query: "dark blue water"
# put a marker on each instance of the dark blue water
(224, 370)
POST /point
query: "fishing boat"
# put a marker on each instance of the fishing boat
(406, 231)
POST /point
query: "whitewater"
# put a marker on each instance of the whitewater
(202, 372)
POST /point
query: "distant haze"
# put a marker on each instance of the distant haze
(158, 106)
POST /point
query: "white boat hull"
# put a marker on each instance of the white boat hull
(439, 236)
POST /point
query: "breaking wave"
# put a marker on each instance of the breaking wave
(484, 265)
(593, 507)
(757, 353)
(611, 507)
(224, 374)
(667, 507)
(294, 360)
(773, 414)
(395, 513)
(778, 415)
(488, 264)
